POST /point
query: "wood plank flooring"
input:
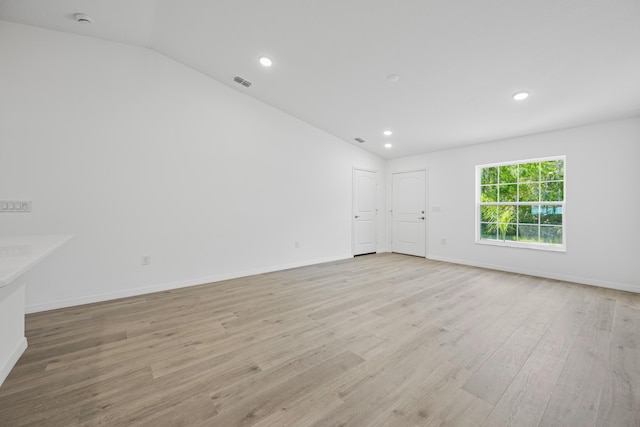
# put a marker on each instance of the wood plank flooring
(379, 340)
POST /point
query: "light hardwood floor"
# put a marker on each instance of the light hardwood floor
(380, 340)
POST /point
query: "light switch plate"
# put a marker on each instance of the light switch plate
(15, 205)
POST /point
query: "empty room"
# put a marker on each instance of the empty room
(319, 213)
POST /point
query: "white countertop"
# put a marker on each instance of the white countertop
(20, 253)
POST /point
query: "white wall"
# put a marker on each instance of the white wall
(602, 204)
(136, 154)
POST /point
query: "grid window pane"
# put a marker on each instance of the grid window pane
(528, 214)
(489, 176)
(489, 193)
(506, 222)
(507, 214)
(489, 214)
(552, 170)
(529, 172)
(551, 215)
(488, 231)
(528, 233)
(551, 234)
(508, 193)
(529, 192)
(552, 191)
(508, 232)
(508, 174)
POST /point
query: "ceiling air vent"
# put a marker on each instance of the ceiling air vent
(360, 140)
(243, 82)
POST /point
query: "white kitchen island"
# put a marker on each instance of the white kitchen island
(18, 254)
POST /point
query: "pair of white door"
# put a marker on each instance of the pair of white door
(408, 212)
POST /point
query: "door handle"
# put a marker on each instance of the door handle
(421, 217)
(357, 216)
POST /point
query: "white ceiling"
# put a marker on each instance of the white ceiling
(459, 61)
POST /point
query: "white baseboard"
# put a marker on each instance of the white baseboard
(12, 360)
(564, 277)
(52, 305)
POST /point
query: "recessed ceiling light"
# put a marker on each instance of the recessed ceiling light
(393, 78)
(387, 132)
(519, 96)
(82, 18)
(387, 145)
(266, 62)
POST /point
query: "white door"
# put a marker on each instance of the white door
(364, 212)
(409, 218)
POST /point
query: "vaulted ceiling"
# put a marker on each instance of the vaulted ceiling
(457, 62)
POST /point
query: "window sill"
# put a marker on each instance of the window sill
(519, 245)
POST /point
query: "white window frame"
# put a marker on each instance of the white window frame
(514, 243)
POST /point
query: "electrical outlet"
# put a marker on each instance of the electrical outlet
(146, 260)
(444, 240)
(296, 244)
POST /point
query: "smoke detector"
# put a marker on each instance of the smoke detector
(82, 18)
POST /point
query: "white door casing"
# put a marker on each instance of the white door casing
(364, 212)
(409, 213)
